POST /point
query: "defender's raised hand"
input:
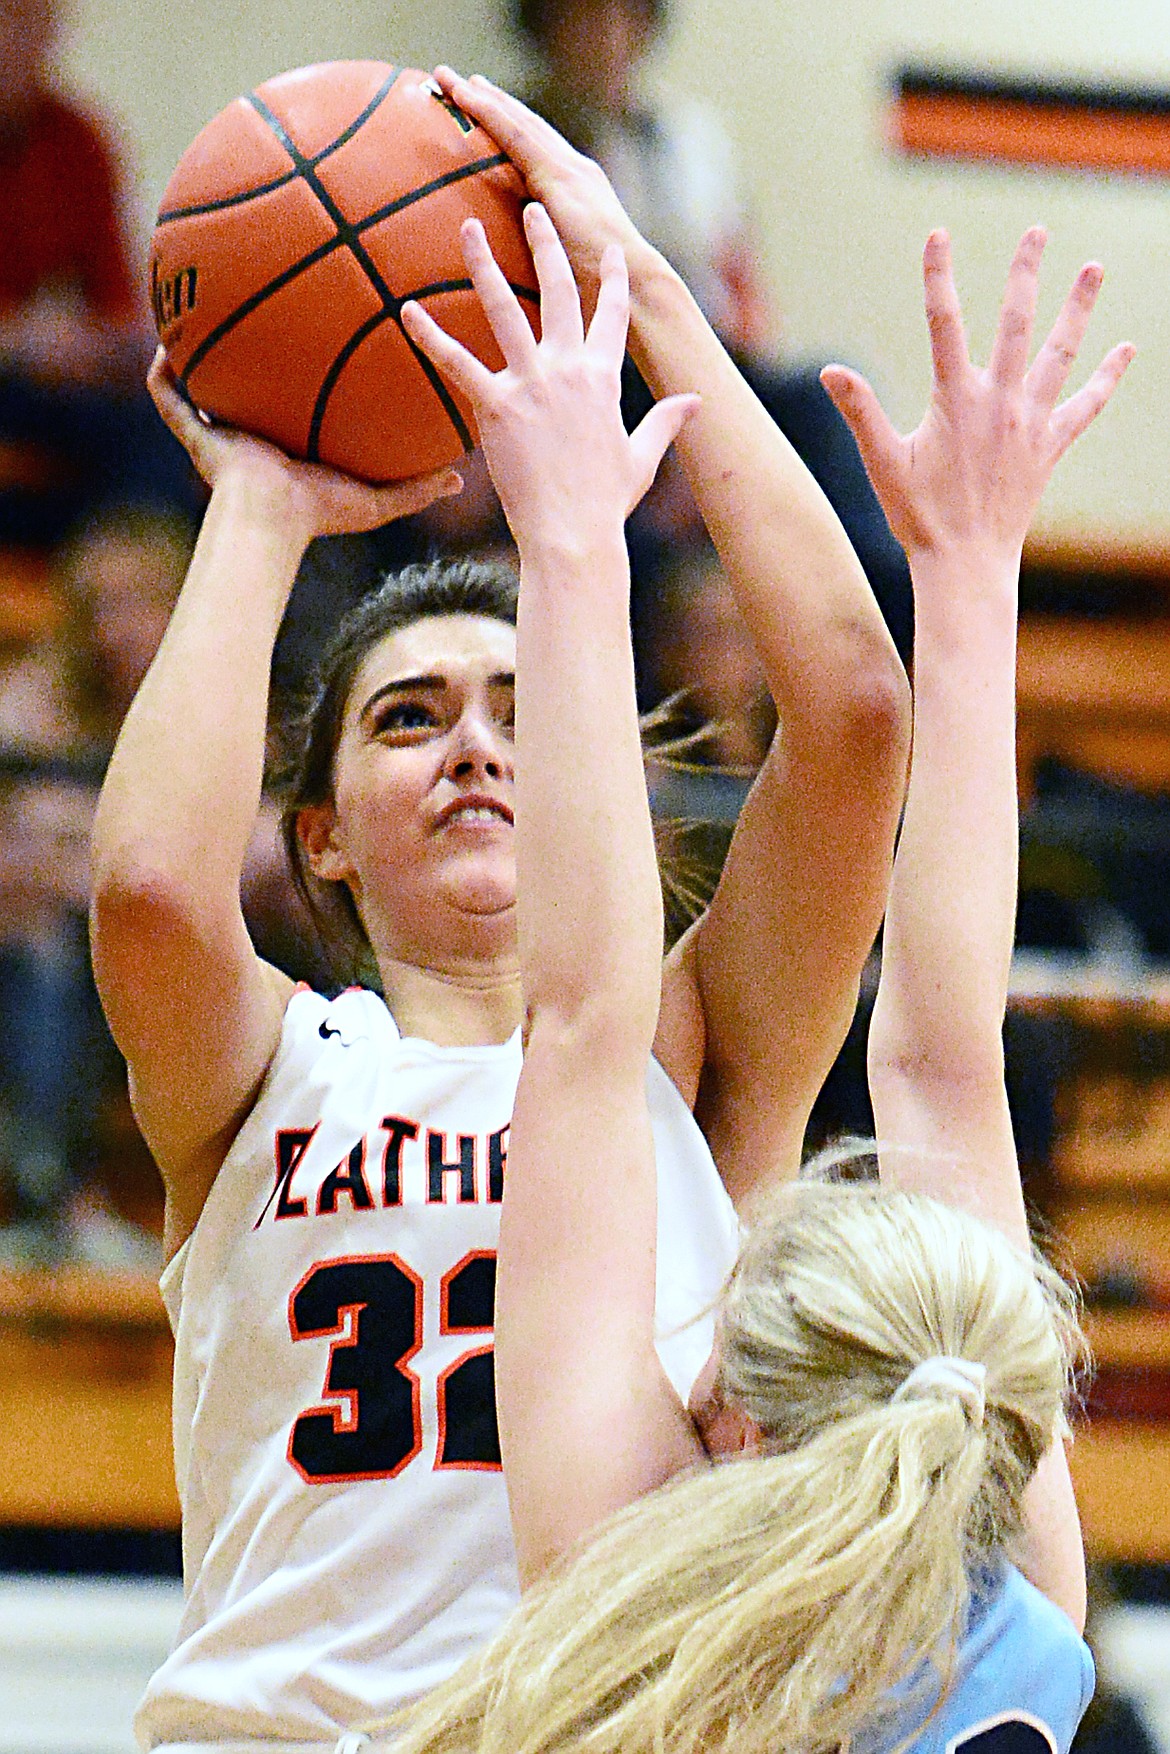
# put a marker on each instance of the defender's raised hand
(550, 421)
(975, 467)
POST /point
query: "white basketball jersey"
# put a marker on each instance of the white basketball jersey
(345, 1528)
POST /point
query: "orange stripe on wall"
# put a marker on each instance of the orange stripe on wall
(946, 125)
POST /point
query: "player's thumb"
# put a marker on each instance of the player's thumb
(653, 436)
(855, 401)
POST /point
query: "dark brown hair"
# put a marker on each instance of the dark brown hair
(309, 736)
(534, 18)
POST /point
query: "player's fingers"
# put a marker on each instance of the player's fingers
(560, 302)
(611, 316)
(533, 145)
(484, 103)
(501, 306)
(1071, 419)
(653, 436)
(348, 505)
(857, 404)
(459, 367)
(399, 499)
(1017, 312)
(1055, 359)
(482, 107)
(528, 128)
(178, 414)
(160, 381)
(944, 318)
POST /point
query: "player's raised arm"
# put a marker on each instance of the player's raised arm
(192, 1007)
(757, 999)
(960, 493)
(588, 1420)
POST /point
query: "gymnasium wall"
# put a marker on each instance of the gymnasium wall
(802, 85)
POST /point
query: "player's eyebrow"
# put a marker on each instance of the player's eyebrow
(423, 684)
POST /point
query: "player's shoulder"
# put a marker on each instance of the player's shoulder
(64, 121)
(356, 1015)
(1025, 1676)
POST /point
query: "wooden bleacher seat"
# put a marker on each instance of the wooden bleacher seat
(29, 604)
(1095, 695)
(85, 1399)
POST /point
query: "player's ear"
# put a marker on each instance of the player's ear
(317, 833)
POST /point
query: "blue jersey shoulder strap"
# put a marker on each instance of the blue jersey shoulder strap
(1023, 1681)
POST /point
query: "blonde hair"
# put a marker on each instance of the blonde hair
(730, 1609)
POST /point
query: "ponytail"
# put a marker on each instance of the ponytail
(787, 1600)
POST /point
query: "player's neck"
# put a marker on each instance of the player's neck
(455, 1007)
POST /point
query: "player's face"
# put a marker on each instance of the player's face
(726, 1430)
(421, 820)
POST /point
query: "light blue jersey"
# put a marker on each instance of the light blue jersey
(1023, 1681)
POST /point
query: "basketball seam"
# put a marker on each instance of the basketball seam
(359, 122)
(216, 335)
(338, 365)
(439, 286)
(348, 233)
(347, 134)
(170, 214)
(425, 189)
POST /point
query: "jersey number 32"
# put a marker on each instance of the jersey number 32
(371, 1425)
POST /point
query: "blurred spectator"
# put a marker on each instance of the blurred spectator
(76, 426)
(61, 1082)
(670, 160)
(696, 652)
(668, 517)
(117, 581)
(673, 165)
(709, 721)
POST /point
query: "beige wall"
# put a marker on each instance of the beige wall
(800, 84)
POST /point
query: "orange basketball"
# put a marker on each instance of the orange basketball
(295, 227)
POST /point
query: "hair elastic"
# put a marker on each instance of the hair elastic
(943, 1375)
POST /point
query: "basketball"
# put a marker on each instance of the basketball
(293, 230)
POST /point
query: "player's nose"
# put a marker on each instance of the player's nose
(479, 746)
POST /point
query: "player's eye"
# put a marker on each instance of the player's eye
(505, 711)
(404, 716)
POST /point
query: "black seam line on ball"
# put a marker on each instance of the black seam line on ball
(425, 189)
(347, 134)
(346, 230)
(438, 287)
(331, 376)
(172, 213)
(348, 235)
(217, 334)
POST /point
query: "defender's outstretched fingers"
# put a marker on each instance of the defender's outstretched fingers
(501, 306)
(458, 366)
(654, 435)
(560, 302)
(611, 316)
(1017, 312)
(1052, 364)
(1081, 409)
(944, 318)
(876, 439)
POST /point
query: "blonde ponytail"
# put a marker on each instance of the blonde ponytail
(787, 1600)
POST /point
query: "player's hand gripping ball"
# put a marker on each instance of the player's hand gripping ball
(293, 230)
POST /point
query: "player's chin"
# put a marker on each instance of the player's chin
(484, 882)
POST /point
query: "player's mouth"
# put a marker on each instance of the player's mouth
(473, 810)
